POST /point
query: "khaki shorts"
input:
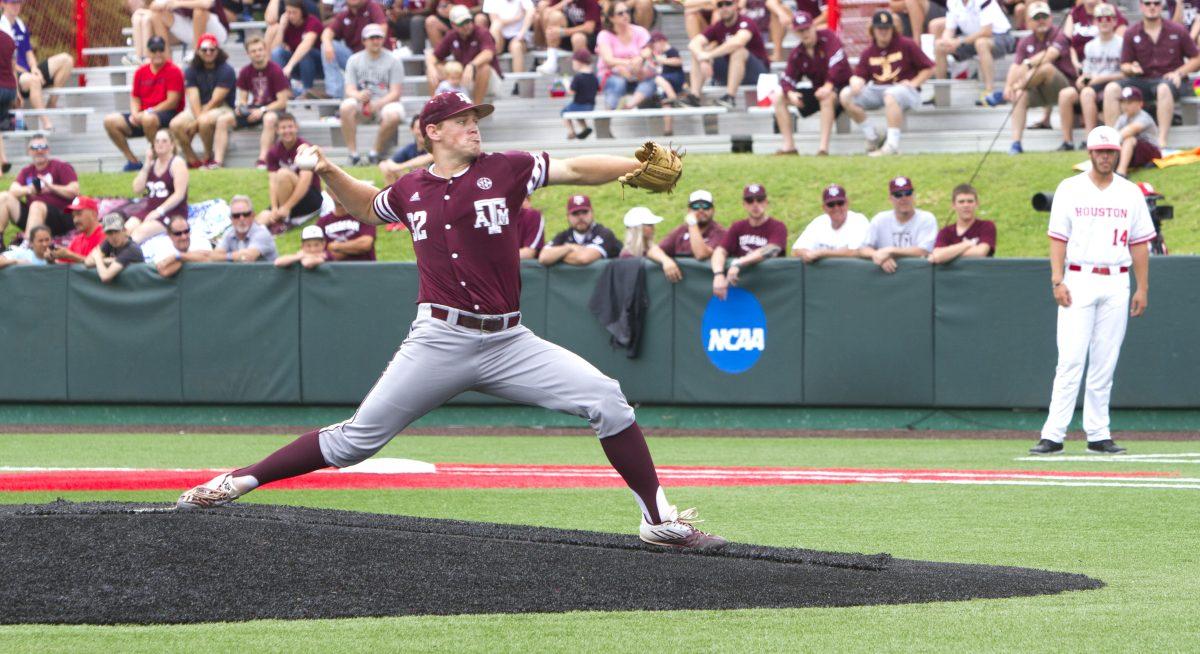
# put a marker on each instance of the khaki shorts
(189, 118)
(1046, 95)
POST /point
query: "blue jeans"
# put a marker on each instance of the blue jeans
(335, 76)
(306, 70)
(616, 87)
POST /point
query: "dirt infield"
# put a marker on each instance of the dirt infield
(108, 563)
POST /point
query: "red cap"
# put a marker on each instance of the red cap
(900, 183)
(801, 20)
(754, 191)
(82, 202)
(210, 39)
(448, 105)
(832, 192)
(578, 202)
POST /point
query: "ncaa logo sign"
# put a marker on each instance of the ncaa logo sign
(734, 332)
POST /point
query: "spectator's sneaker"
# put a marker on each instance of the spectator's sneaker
(691, 100)
(874, 144)
(995, 99)
(260, 164)
(1046, 446)
(315, 94)
(727, 101)
(195, 164)
(884, 150)
(549, 66)
(132, 166)
(677, 532)
(516, 89)
(1066, 147)
(1016, 148)
(213, 164)
(1106, 446)
(373, 158)
(354, 159)
(584, 133)
(131, 59)
(218, 491)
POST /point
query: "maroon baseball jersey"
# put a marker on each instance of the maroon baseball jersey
(826, 63)
(531, 229)
(8, 48)
(1031, 45)
(678, 242)
(756, 10)
(55, 172)
(1174, 45)
(339, 229)
(579, 12)
(984, 230)
(281, 156)
(464, 50)
(466, 248)
(294, 34)
(347, 26)
(744, 238)
(900, 61)
(159, 187)
(719, 32)
(1085, 29)
(263, 84)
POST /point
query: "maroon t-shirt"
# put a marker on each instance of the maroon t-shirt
(294, 34)
(579, 12)
(339, 229)
(466, 247)
(814, 7)
(55, 172)
(743, 238)
(678, 242)
(347, 26)
(900, 61)
(719, 32)
(531, 229)
(464, 50)
(827, 63)
(1031, 45)
(984, 230)
(8, 48)
(279, 156)
(262, 84)
(1085, 28)
(756, 10)
(158, 189)
(1160, 57)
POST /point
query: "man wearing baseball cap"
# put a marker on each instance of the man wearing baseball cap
(584, 241)
(1139, 133)
(839, 232)
(1041, 69)
(470, 45)
(697, 237)
(905, 231)
(154, 98)
(342, 37)
(373, 81)
(311, 253)
(116, 252)
(84, 214)
(749, 241)
(1098, 48)
(821, 60)
(168, 252)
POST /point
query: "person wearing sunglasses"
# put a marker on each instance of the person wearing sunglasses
(749, 241)
(1101, 64)
(821, 59)
(969, 235)
(208, 87)
(155, 98)
(1041, 69)
(115, 252)
(40, 193)
(837, 233)
(700, 232)
(1157, 57)
(245, 240)
(1083, 24)
(168, 252)
(730, 52)
(905, 231)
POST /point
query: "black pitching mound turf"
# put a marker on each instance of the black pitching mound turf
(125, 563)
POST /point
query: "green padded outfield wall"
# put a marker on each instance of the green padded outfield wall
(838, 333)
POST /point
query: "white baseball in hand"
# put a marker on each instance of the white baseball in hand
(306, 158)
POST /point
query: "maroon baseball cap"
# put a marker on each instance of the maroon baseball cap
(448, 105)
(578, 203)
(900, 183)
(657, 36)
(833, 192)
(582, 56)
(754, 192)
(1131, 93)
(801, 20)
(82, 202)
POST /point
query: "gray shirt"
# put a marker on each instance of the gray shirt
(1101, 58)
(258, 237)
(1149, 131)
(375, 75)
(886, 232)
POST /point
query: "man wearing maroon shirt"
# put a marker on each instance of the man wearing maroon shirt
(346, 239)
(969, 236)
(295, 194)
(342, 37)
(40, 193)
(890, 73)
(470, 45)
(156, 96)
(729, 52)
(1157, 56)
(262, 94)
(531, 231)
(749, 241)
(696, 238)
(468, 333)
(1041, 69)
(821, 59)
(297, 53)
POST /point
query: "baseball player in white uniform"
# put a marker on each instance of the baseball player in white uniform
(1099, 227)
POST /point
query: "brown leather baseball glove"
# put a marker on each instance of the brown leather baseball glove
(660, 170)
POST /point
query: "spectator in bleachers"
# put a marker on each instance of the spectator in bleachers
(373, 81)
(584, 241)
(297, 52)
(905, 231)
(312, 251)
(115, 252)
(974, 28)
(1139, 133)
(821, 59)
(470, 45)
(34, 77)
(168, 252)
(928, 15)
(164, 182)
(142, 24)
(452, 80)
(436, 25)
(208, 89)
(1082, 25)
(1101, 64)
(37, 254)
(10, 95)
(699, 234)
(188, 20)
(408, 157)
(245, 240)
(531, 231)
(619, 52)
(697, 15)
(749, 241)
(295, 194)
(40, 194)
(582, 90)
(839, 232)
(670, 63)
(154, 100)
(639, 233)
(346, 239)
(262, 94)
(406, 23)
(1040, 71)
(273, 16)
(342, 37)
(89, 234)
(730, 53)
(573, 25)
(511, 21)
(969, 236)
(1156, 56)
(889, 74)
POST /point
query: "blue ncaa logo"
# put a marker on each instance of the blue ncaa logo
(734, 332)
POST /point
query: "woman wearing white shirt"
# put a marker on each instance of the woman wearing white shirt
(511, 20)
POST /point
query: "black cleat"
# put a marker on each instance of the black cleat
(1046, 446)
(1106, 446)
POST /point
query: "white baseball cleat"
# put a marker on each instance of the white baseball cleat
(678, 532)
(218, 491)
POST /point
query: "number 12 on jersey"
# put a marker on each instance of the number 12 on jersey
(416, 221)
(1121, 237)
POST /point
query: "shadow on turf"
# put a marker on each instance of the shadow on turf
(107, 563)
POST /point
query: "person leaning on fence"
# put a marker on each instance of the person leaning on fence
(820, 58)
(208, 89)
(169, 252)
(969, 236)
(749, 241)
(37, 254)
(154, 100)
(346, 239)
(903, 231)
(116, 251)
(696, 238)
(373, 81)
(84, 213)
(584, 241)
(312, 250)
(839, 232)
(245, 240)
(639, 233)
(40, 193)
(1041, 70)
(34, 76)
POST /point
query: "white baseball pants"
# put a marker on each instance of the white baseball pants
(1091, 329)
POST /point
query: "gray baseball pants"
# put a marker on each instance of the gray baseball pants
(439, 359)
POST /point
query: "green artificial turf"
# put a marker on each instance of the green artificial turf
(794, 186)
(1141, 542)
